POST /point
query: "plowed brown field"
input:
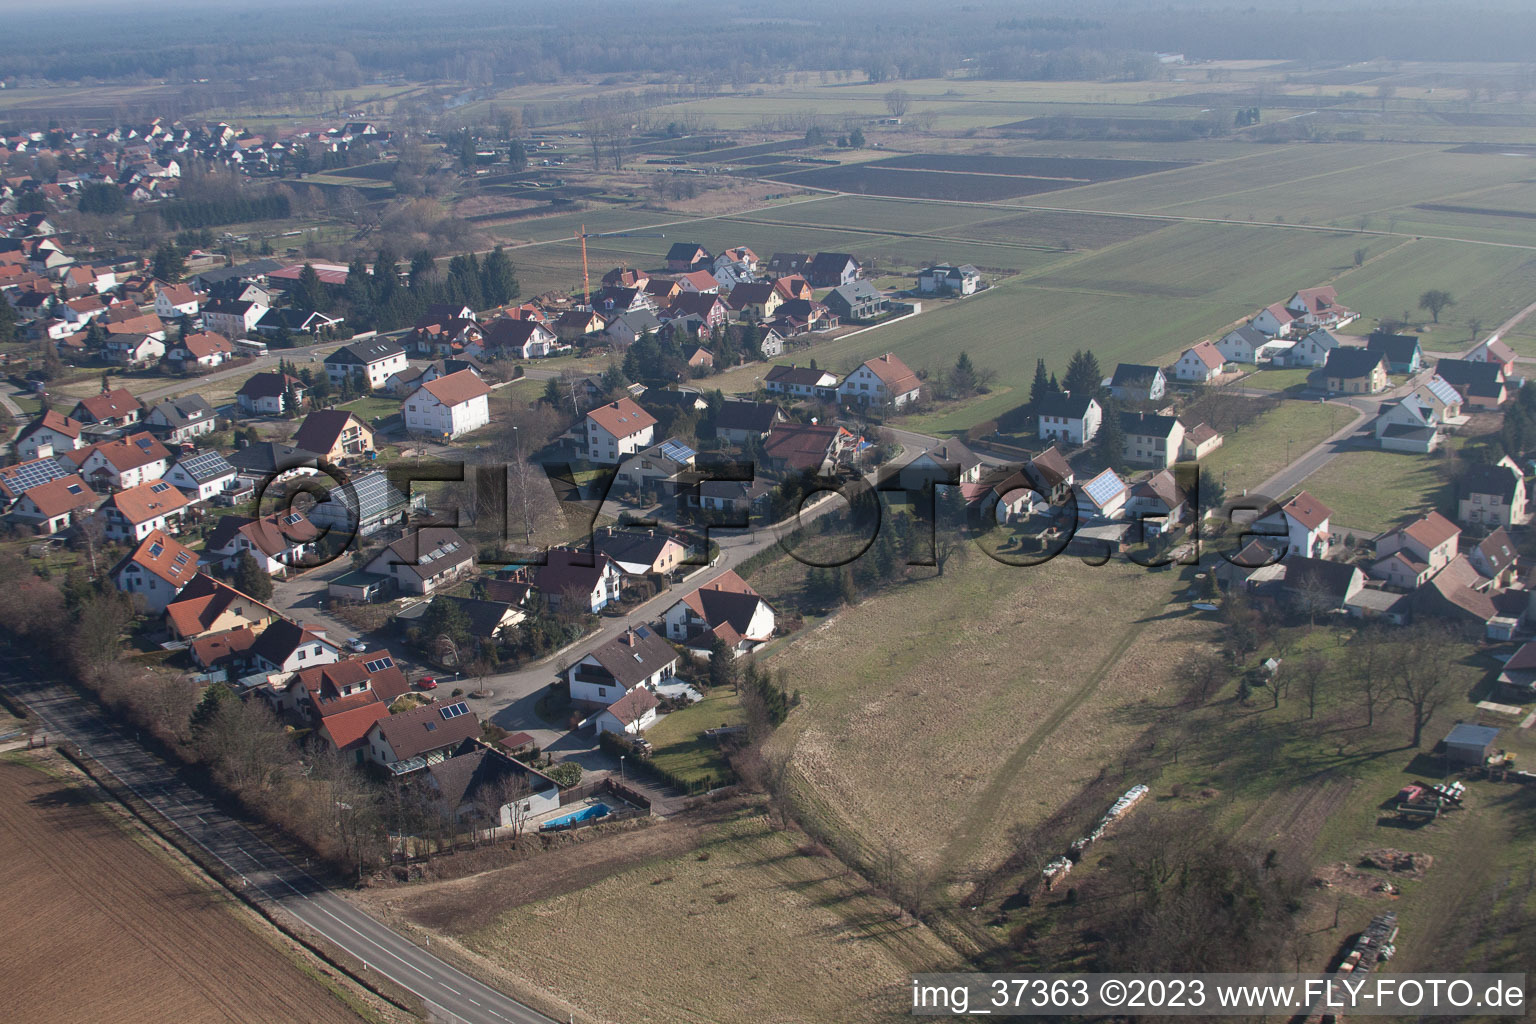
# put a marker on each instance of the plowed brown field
(99, 928)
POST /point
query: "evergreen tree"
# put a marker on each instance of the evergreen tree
(517, 155)
(251, 579)
(444, 618)
(7, 322)
(962, 379)
(1109, 442)
(422, 267)
(168, 262)
(1043, 384)
(207, 710)
(498, 278)
(309, 292)
(856, 138)
(384, 283)
(1084, 377)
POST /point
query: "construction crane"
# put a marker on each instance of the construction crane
(586, 280)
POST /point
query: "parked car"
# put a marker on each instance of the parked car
(357, 645)
(427, 683)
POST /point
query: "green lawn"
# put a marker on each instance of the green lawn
(1379, 490)
(678, 739)
(366, 409)
(1278, 380)
(1257, 451)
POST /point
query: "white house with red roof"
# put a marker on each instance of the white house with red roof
(1319, 307)
(883, 380)
(630, 715)
(1275, 320)
(176, 300)
(205, 348)
(135, 513)
(1493, 350)
(155, 571)
(1305, 520)
(52, 506)
(617, 430)
(120, 463)
(115, 407)
(448, 406)
(1410, 555)
(1199, 365)
(52, 431)
(725, 608)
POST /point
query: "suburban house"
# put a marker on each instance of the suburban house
(1319, 307)
(806, 382)
(639, 552)
(627, 328)
(342, 701)
(1051, 476)
(1313, 349)
(1102, 497)
(881, 381)
(278, 542)
(832, 270)
(181, 419)
(858, 300)
(683, 257)
(1200, 365)
(52, 431)
(287, 646)
(121, 462)
(367, 504)
(202, 475)
(1249, 345)
(617, 430)
(115, 407)
(655, 465)
(203, 349)
(425, 561)
(1492, 495)
(1494, 558)
(233, 318)
(1305, 521)
(208, 606)
(1482, 385)
(1407, 557)
(948, 279)
(135, 513)
(700, 282)
(787, 264)
(295, 321)
(1151, 439)
(1157, 503)
(807, 448)
(334, 435)
(738, 498)
(135, 351)
(708, 308)
(591, 582)
(448, 406)
(636, 657)
(373, 361)
(1067, 419)
(155, 571)
(739, 421)
(1199, 441)
(1417, 421)
(756, 300)
(422, 736)
(726, 608)
(1492, 350)
(948, 462)
(514, 339)
(794, 288)
(1401, 351)
(576, 324)
(631, 714)
(485, 786)
(1133, 382)
(270, 461)
(266, 394)
(1274, 321)
(1316, 585)
(1351, 370)
(53, 505)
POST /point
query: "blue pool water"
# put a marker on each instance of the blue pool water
(585, 814)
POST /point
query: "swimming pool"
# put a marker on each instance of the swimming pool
(585, 814)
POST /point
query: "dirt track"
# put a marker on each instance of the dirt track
(100, 928)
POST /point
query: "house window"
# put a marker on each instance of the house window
(602, 691)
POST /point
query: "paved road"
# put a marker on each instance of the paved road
(449, 994)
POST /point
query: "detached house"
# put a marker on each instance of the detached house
(1319, 307)
(1199, 365)
(1133, 382)
(833, 270)
(1067, 419)
(181, 419)
(135, 513)
(334, 435)
(1407, 557)
(617, 430)
(1275, 321)
(203, 475)
(207, 606)
(1417, 421)
(155, 571)
(727, 609)
(1492, 350)
(124, 462)
(1401, 351)
(1305, 521)
(1482, 384)
(288, 646)
(686, 256)
(278, 542)
(266, 394)
(1355, 371)
(514, 339)
(803, 382)
(53, 506)
(430, 559)
(583, 580)
(114, 408)
(636, 658)
(757, 300)
(204, 349)
(448, 406)
(881, 381)
(52, 431)
(374, 361)
(233, 318)
(177, 300)
(948, 279)
(740, 421)
(947, 462)
(858, 300)
(1103, 497)
(1492, 495)
(1313, 349)
(1249, 345)
(1150, 439)
(422, 736)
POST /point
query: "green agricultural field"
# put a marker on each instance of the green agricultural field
(1257, 451)
(1375, 490)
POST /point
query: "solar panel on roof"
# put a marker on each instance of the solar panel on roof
(145, 442)
(1104, 487)
(455, 710)
(22, 478)
(206, 465)
(677, 451)
(378, 664)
